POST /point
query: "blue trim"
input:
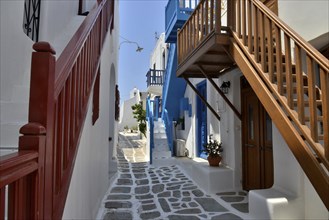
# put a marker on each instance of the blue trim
(173, 88)
(175, 17)
(169, 130)
(201, 119)
(189, 110)
(185, 106)
(149, 116)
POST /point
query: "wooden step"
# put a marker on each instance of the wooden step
(283, 60)
(319, 118)
(294, 78)
(305, 88)
(306, 102)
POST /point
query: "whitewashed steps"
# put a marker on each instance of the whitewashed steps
(13, 115)
(161, 149)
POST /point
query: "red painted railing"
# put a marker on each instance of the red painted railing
(38, 176)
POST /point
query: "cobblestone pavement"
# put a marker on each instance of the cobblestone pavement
(143, 192)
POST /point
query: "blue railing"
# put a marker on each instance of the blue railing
(154, 77)
(169, 129)
(171, 11)
(150, 121)
(170, 66)
(178, 9)
(176, 13)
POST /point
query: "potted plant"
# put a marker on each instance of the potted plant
(214, 150)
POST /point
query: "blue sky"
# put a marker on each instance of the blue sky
(139, 20)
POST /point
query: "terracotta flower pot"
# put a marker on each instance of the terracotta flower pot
(214, 160)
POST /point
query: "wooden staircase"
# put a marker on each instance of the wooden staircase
(289, 76)
(292, 81)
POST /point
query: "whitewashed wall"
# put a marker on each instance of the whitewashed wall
(309, 18)
(90, 178)
(58, 22)
(16, 48)
(157, 54)
(126, 113)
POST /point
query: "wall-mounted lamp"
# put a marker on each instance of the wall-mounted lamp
(225, 87)
(139, 49)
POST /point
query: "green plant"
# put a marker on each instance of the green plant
(126, 127)
(140, 115)
(213, 147)
(180, 121)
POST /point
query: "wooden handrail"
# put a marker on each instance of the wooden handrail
(16, 166)
(193, 13)
(59, 94)
(314, 53)
(69, 55)
(288, 66)
(22, 176)
(205, 21)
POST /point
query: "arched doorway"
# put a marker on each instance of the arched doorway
(113, 124)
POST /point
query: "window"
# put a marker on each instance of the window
(31, 19)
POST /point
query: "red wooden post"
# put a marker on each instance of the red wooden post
(34, 138)
(41, 110)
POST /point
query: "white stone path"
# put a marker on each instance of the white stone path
(143, 192)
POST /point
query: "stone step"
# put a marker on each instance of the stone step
(160, 141)
(161, 154)
(160, 136)
(159, 128)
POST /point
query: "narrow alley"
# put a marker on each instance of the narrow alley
(143, 191)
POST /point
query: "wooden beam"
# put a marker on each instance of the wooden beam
(202, 98)
(209, 63)
(214, 52)
(237, 113)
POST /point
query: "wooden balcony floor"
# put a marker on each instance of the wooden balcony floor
(211, 54)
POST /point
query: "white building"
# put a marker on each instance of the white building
(76, 191)
(256, 156)
(155, 75)
(127, 119)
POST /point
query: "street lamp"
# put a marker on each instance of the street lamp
(139, 49)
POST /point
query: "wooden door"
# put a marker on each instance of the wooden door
(256, 141)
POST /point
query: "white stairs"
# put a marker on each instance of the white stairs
(13, 115)
(161, 149)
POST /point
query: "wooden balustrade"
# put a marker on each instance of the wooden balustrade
(155, 77)
(205, 19)
(298, 76)
(292, 64)
(59, 95)
(22, 176)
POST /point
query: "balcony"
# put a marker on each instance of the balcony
(154, 81)
(203, 41)
(177, 12)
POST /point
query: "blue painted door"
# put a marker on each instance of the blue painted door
(202, 119)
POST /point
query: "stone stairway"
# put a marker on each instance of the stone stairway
(161, 149)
